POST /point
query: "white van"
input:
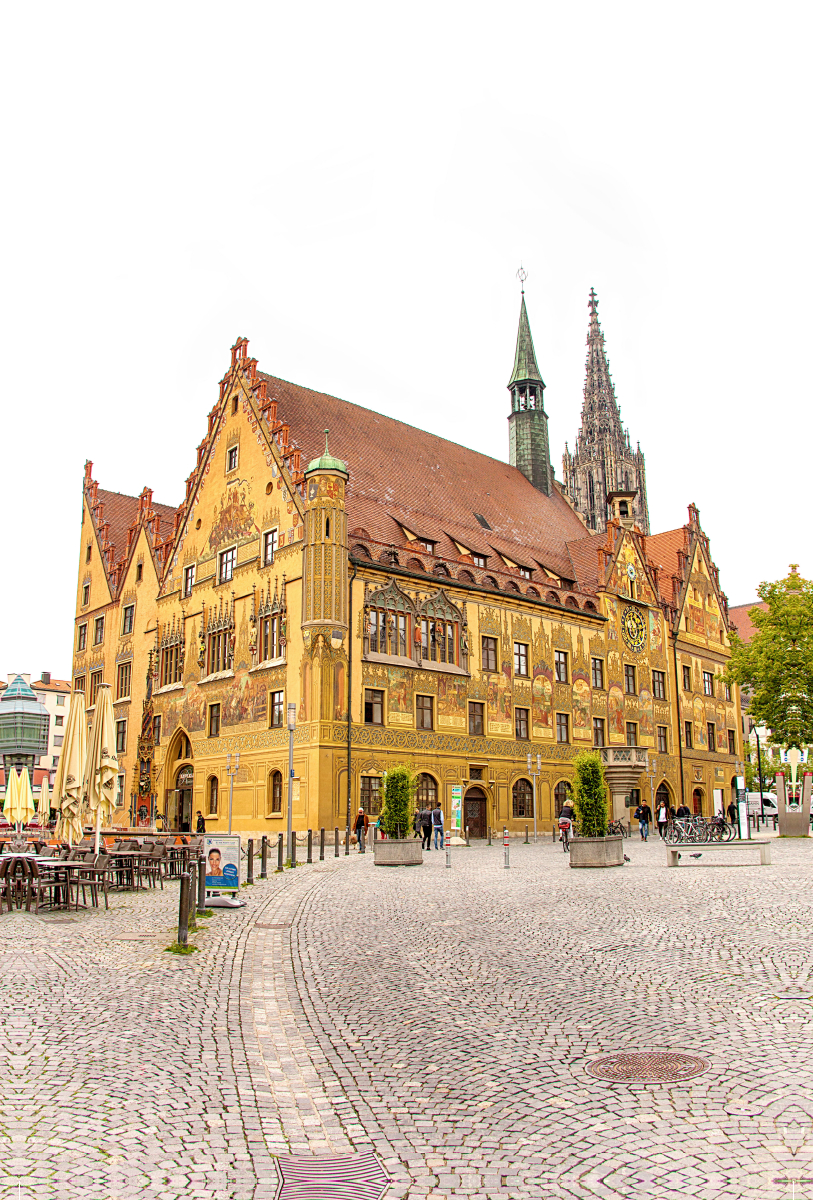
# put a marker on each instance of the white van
(769, 806)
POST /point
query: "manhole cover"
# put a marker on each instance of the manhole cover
(643, 1067)
(345, 1177)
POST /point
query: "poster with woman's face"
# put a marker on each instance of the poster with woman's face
(222, 854)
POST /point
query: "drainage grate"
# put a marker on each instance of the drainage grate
(648, 1067)
(349, 1177)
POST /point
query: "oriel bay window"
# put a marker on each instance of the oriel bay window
(438, 640)
(389, 632)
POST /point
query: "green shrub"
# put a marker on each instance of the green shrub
(590, 794)
(399, 791)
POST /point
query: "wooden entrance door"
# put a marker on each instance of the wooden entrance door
(474, 812)
(697, 801)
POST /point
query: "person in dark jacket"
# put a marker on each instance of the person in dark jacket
(733, 815)
(426, 828)
(200, 825)
(416, 822)
(643, 815)
(361, 826)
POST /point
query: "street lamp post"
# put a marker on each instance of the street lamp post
(653, 775)
(755, 731)
(231, 771)
(291, 728)
(534, 776)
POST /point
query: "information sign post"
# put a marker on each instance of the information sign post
(456, 822)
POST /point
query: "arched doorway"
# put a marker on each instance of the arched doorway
(697, 801)
(663, 796)
(179, 803)
(475, 814)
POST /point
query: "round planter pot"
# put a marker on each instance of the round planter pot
(597, 852)
(398, 852)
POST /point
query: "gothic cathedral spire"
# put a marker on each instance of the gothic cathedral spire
(528, 445)
(603, 460)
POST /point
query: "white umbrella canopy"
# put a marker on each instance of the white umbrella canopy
(25, 799)
(44, 810)
(12, 795)
(101, 766)
(67, 794)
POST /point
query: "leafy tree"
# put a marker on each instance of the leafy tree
(776, 666)
(590, 794)
(399, 791)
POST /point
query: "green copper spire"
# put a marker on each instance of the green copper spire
(327, 462)
(525, 367)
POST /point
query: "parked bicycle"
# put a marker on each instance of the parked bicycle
(615, 827)
(699, 829)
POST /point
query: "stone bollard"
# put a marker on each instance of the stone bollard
(526, 835)
(489, 835)
(280, 854)
(293, 848)
(183, 910)
(201, 884)
(468, 843)
(347, 841)
(310, 845)
(322, 844)
(192, 922)
(264, 857)
(336, 840)
(250, 861)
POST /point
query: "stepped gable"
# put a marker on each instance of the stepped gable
(662, 549)
(739, 618)
(433, 487)
(121, 511)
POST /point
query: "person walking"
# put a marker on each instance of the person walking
(437, 825)
(426, 829)
(416, 823)
(683, 811)
(733, 815)
(361, 826)
(200, 825)
(663, 817)
(643, 815)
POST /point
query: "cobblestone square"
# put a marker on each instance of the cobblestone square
(443, 1018)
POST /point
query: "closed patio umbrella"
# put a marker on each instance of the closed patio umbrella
(25, 799)
(44, 810)
(67, 794)
(101, 766)
(10, 803)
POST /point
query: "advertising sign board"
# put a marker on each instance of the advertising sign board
(222, 852)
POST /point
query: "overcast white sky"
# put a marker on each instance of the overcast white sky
(352, 186)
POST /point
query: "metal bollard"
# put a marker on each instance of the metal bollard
(489, 835)
(183, 910)
(192, 919)
(361, 841)
(448, 852)
(336, 841)
(322, 844)
(347, 841)
(526, 835)
(201, 884)
(280, 854)
(264, 857)
(310, 845)
(250, 861)
(468, 843)
(293, 848)
(505, 845)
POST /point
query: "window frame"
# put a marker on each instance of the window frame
(688, 735)
(522, 717)
(273, 534)
(597, 663)
(232, 450)
(98, 630)
(708, 684)
(96, 680)
(630, 674)
(374, 701)
(480, 561)
(156, 729)
(632, 734)
(189, 579)
(522, 806)
(229, 555)
(687, 678)
(485, 652)
(732, 742)
(82, 637)
(371, 802)
(711, 735)
(85, 595)
(560, 666)
(213, 719)
(475, 705)
(521, 659)
(599, 727)
(139, 572)
(662, 736)
(88, 552)
(124, 673)
(128, 619)
(526, 573)
(212, 793)
(659, 685)
(422, 709)
(79, 684)
(562, 723)
(121, 736)
(276, 708)
(274, 801)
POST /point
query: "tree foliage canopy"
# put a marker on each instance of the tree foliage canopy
(399, 790)
(590, 793)
(776, 666)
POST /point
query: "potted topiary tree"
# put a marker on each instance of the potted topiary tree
(398, 848)
(592, 847)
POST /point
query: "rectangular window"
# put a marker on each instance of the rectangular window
(476, 718)
(711, 732)
(388, 632)
(438, 640)
(123, 677)
(423, 544)
(214, 720)
(687, 679)
(85, 594)
(632, 733)
(708, 683)
(277, 709)
(687, 734)
(59, 720)
(489, 654)
(373, 706)
(560, 662)
(424, 712)
(479, 560)
(60, 699)
(521, 724)
(87, 553)
(659, 685)
(127, 620)
(98, 631)
(82, 637)
(95, 684)
(663, 741)
(227, 560)
(121, 737)
(269, 546)
(520, 658)
(371, 795)
(79, 684)
(629, 680)
(598, 730)
(170, 664)
(58, 741)
(526, 573)
(597, 669)
(562, 727)
(188, 580)
(231, 458)
(218, 652)
(732, 742)
(727, 690)
(270, 638)
(156, 730)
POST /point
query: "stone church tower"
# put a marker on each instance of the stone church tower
(603, 460)
(528, 448)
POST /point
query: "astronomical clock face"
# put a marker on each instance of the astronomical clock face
(633, 629)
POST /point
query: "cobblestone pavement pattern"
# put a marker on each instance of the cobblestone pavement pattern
(444, 1018)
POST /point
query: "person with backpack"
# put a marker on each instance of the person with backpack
(437, 825)
(643, 815)
(426, 829)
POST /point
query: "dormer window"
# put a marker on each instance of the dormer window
(479, 560)
(423, 544)
(526, 573)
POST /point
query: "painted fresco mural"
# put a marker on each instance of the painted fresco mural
(234, 520)
(542, 702)
(452, 701)
(399, 697)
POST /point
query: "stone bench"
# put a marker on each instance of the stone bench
(673, 853)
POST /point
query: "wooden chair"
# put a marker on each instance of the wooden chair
(42, 882)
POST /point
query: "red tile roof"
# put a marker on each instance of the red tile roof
(403, 476)
(738, 615)
(662, 550)
(56, 685)
(120, 511)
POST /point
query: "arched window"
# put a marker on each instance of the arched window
(212, 790)
(561, 793)
(360, 551)
(532, 591)
(552, 597)
(491, 582)
(511, 586)
(571, 602)
(589, 606)
(523, 797)
(591, 494)
(427, 793)
(465, 577)
(273, 801)
(415, 564)
(184, 748)
(441, 569)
